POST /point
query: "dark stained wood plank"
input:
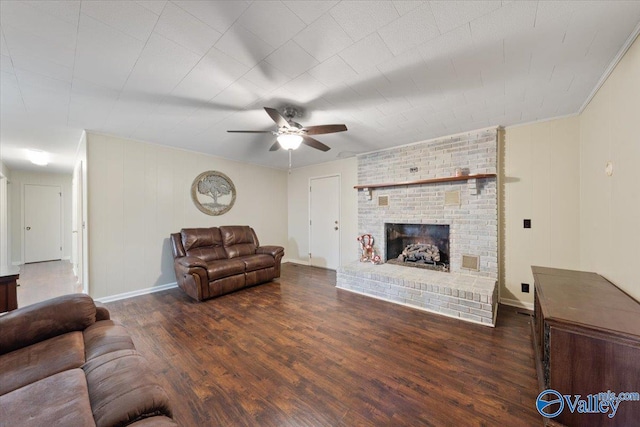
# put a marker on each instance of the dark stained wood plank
(299, 352)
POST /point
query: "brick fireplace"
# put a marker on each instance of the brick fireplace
(467, 208)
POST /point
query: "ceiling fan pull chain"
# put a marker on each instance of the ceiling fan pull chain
(290, 150)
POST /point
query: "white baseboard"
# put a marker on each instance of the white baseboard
(67, 258)
(516, 303)
(137, 293)
(295, 261)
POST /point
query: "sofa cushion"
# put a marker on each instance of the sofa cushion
(123, 390)
(238, 240)
(105, 337)
(38, 322)
(59, 400)
(203, 243)
(225, 268)
(41, 360)
(257, 262)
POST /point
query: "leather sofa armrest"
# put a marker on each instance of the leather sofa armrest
(277, 252)
(123, 389)
(192, 276)
(38, 322)
(191, 262)
(274, 251)
(102, 312)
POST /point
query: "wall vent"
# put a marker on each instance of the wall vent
(471, 262)
(452, 198)
(383, 200)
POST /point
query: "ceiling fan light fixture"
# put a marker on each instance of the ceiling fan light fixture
(291, 134)
(289, 141)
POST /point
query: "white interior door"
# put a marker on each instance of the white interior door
(42, 223)
(324, 235)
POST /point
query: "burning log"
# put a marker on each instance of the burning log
(421, 253)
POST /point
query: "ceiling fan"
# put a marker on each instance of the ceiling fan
(291, 134)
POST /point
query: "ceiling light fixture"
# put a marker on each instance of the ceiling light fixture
(38, 157)
(289, 141)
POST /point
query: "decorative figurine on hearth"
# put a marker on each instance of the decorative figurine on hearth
(368, 252)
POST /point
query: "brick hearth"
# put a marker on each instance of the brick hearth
(457, 295)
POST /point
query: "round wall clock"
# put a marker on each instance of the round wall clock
(213, 193)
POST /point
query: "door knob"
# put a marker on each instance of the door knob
(335, 228)
(28, 228)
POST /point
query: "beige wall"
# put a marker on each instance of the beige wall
(555, 175)
(139, 193)
(298, 193)
(610, 205)
(16, 192)
(541, 183)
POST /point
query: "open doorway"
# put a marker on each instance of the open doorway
(77, 226)
(40, 223)
(4, 222)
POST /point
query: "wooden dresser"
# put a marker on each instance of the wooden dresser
(587, 340)
(8, 293)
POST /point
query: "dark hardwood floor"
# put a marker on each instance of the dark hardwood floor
(299, 352)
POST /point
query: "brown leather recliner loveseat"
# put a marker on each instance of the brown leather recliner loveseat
(63, 362)
(214, 261)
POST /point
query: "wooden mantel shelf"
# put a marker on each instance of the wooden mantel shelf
(426, 181)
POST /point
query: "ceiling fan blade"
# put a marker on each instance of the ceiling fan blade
(277, 117)
(275, 146)
(314, 143)
(249, 131)
(317, 130)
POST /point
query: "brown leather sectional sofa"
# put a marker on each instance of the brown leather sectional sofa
(63, 362)
(214, 261)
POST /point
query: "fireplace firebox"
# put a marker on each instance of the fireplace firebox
(418, 245)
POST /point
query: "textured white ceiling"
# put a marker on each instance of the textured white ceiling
(180, 73)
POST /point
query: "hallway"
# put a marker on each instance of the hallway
(43, 280)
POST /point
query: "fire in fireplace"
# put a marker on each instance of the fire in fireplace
(418, 245)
